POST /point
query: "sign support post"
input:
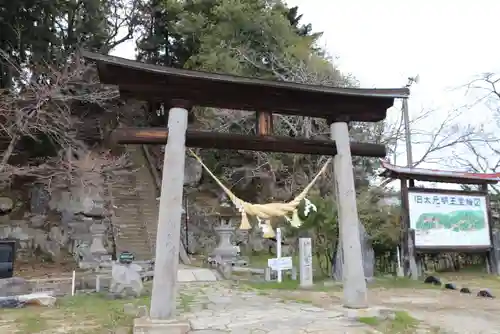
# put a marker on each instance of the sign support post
(279, 263)
(278, 252)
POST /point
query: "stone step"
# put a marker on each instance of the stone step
(135, 244)
(130, 228)
(136, 208)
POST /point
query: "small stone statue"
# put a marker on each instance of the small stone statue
(125, 280)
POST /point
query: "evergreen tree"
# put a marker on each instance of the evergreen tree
(208, 34)
(48, 31)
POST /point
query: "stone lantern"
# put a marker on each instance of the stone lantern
(225, 252)
(97, 229)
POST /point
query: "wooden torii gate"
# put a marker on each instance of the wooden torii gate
(180, 90)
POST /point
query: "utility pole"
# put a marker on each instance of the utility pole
(412, 261)
(406, 119)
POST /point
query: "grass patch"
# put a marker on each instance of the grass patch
(322, 284)
(31, 323)
(99, 310)
(370, 321)
(402, 322)
(463, 278)
(296, 299)
(186, 301)
(79, 314)
(400, 283)
(84, 314)
(288, 284)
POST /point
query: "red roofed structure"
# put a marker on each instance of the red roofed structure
(425, 212)
(436, 175)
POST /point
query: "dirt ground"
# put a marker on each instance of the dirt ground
(34, 268)
(440, 310)
(449, 311)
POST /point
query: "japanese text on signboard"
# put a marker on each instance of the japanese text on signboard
(447, 200)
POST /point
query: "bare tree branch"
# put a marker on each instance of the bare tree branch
(44, 107)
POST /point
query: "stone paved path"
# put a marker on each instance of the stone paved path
(217, 308)
(194, 274)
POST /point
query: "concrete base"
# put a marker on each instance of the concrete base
(154, 326)
(370, 312)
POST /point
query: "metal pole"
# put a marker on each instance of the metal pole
(406, 118)
(409, 162)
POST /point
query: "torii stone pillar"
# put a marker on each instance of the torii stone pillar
(169, 218)
(355, 292)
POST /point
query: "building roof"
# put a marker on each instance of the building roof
(435, 175)
(160, 83)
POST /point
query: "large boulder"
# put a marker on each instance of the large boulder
(14, 286)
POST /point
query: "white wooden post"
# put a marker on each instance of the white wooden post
(169, 218)
(73, 285)
(278, 251)
(355, 291)
(305, 263)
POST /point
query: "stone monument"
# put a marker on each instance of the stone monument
(87, 230)
(39, 200)
(368, 256)
(305, 263)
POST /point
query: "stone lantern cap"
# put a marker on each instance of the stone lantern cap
(226, 208)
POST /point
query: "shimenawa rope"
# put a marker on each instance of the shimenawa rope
(269, 210)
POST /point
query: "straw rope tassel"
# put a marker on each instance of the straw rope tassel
(296, 221)
(245, 224)
(269, 231)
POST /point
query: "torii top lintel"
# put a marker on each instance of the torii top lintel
(159, 83)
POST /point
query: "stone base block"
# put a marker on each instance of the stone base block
(154, 326)
(369, 312)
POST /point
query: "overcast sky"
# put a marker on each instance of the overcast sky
(447, 43)
(384, 42)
